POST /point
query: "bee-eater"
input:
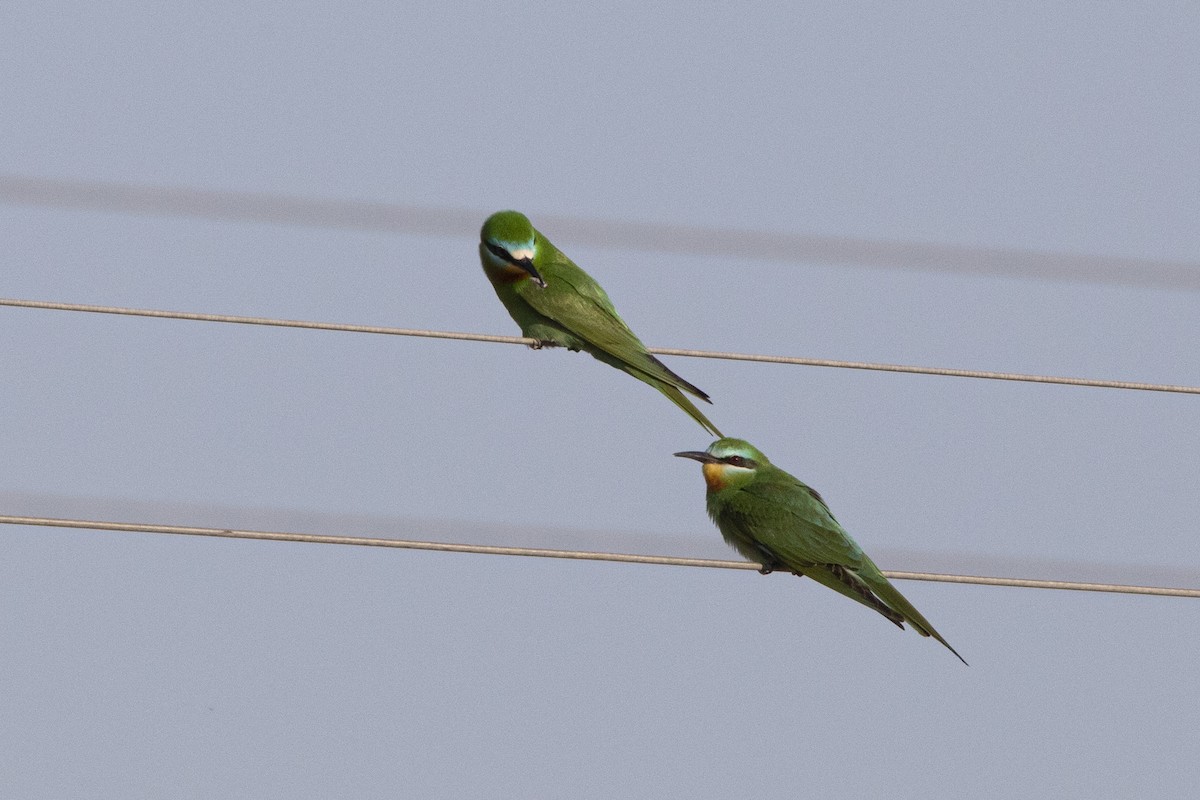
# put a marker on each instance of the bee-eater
(776, 520)
(560, 305)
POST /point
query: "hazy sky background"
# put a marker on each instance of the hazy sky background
(155, 666)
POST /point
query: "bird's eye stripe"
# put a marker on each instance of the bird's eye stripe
(498, 251)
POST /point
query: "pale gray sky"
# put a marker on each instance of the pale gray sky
(144, 666)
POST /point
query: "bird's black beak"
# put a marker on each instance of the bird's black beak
(527, 265)
(696, 455)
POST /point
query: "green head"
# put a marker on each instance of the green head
(508, 242)
(728, 463)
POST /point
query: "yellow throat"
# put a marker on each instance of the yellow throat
(714, 475)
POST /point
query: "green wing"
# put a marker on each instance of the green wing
(576, 302)
(791, 522)
(795, 524)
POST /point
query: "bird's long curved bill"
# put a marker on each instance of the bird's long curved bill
(696, 455)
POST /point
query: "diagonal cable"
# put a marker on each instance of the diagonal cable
(579, 555)
(666, 351)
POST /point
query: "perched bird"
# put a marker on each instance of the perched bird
(560, 305)
(778, 521)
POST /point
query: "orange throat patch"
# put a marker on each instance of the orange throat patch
(714, 476)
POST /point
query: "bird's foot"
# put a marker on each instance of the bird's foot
(540, 343)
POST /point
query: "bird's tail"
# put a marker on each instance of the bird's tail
(652, 371)
(664, 373)
(870, 587)
(889, 594)
(677, 397)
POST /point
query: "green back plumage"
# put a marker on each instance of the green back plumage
(568, 308)
(774, 518)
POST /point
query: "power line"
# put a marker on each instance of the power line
(666, 351)
(578, 555)
(445, 529)
(681, 239)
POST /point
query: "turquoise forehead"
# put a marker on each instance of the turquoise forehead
(723, 448)
(511, 229)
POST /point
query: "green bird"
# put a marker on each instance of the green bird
(776, 520)
(560, 305)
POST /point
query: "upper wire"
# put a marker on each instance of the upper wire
(666, 351)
